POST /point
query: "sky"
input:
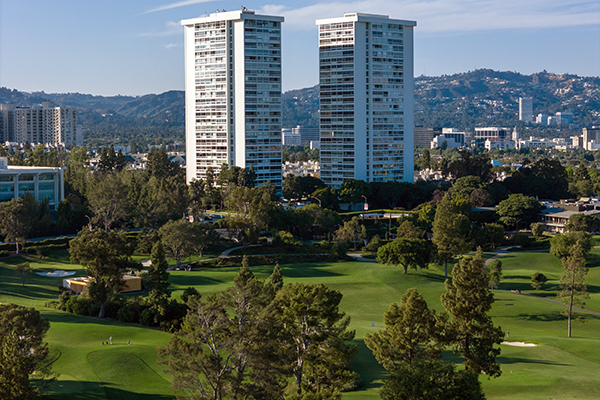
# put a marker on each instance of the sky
(135, 47)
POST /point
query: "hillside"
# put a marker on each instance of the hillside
(477, 98)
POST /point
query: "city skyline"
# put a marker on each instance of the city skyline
(136, 47)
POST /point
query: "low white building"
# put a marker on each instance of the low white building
(41, 182)
(500, 144)
(451, 136)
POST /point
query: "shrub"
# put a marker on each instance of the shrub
(52, 304)
(338, 251)
(4, 253)
(149, 317)
(537, 280)
(537, 229)
(191, 291)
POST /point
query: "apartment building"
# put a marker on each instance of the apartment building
(233, 93)
(366, 98)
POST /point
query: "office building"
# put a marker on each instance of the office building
(482, 134)
(7, 122)
(424, 135)
(289, 138)
(307, 135)
(451, 136)
(366, 98)
(526, 109)
(563, 118)
(233, 93)
(41, 182)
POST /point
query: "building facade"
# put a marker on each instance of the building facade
(424, 135)
(307, 135)
(45, 124)
(482, 134)
(233, 93)
(366, 98)
(41, 182)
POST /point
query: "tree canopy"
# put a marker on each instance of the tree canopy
(25, 360)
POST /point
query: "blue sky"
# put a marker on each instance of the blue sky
(134, 47)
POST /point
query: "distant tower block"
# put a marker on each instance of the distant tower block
(526, 109)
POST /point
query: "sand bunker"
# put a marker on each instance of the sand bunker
(519, 344)
(56, 274)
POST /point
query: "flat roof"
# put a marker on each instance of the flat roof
(363, 17)
(230, 16)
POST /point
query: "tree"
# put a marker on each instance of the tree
(23, 270)
(495, 273)
(468, 164)
(106, 256)
(409, 334)
(25, 360)
(450, 228)
(408, 230)
(253, 208)
(314, 338)
(198, 356)
(572, 249)
(13, 221)
(182, 239)
(516, 209)
(583, 222)
(470, 330)
(537, 280)
(537, 229)
(108, 199)
(373, 245)
(492, 235)
(352, 231)
(225, 349)
(158, 277)
(410, 253)
(353, 190)
(431, 380)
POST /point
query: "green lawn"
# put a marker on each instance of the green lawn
(559, 367)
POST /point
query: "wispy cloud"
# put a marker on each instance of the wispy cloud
(171, 45)
(176, 5)
(172, 28)
(452, 15)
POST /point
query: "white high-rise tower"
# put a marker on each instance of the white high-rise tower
(233, 93)
(366, 99)
(526, 109)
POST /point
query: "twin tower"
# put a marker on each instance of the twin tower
(233, 96)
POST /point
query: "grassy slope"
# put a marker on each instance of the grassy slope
(557, 368)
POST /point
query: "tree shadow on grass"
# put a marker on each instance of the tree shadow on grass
(82, 390)
(593, 261)
(193, 280)
(547, 317)
(518, 360)
(307, 270)
(366, 365)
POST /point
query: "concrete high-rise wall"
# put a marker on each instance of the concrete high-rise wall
(366, 98)
(233, 93)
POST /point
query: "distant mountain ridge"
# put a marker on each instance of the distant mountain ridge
(476, 98)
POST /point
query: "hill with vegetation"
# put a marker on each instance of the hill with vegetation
(476, 98)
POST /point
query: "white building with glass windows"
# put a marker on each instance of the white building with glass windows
(41, 182)
(233, 93)
(366, 98)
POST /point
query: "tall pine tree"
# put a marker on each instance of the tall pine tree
(470, 330)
